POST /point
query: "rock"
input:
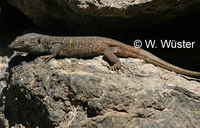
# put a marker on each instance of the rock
(73, 92)
(3, 72)
(102, 16)
(3, 78)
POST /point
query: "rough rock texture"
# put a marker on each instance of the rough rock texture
(84, 93)
(103, 15)
(4, 75)
(3, 78)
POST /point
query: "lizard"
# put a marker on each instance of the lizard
(51, 46)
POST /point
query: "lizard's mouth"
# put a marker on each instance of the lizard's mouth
(16, 47)
(13, 47)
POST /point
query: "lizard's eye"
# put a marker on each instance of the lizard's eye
(23, 42)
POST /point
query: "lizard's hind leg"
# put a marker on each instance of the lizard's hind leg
(109, 53)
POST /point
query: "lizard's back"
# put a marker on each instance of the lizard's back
(83, 46)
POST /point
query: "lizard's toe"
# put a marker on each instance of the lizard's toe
(46, 57)
(125, 67)
(119, 66)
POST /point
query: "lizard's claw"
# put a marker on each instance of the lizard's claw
(46, 57)
(114, 68)
(119, 66)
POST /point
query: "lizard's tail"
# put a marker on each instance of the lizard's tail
(150, 58)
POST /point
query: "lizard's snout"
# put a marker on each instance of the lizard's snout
(10, 46)
(13, 46)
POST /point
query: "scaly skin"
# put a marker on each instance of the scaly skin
(51, 46)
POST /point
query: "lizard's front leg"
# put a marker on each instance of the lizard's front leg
(109, 53)
(53, 52)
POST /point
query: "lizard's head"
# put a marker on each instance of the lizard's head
(27, 43)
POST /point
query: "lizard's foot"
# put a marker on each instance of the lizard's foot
(46, 57)
(119, 66)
